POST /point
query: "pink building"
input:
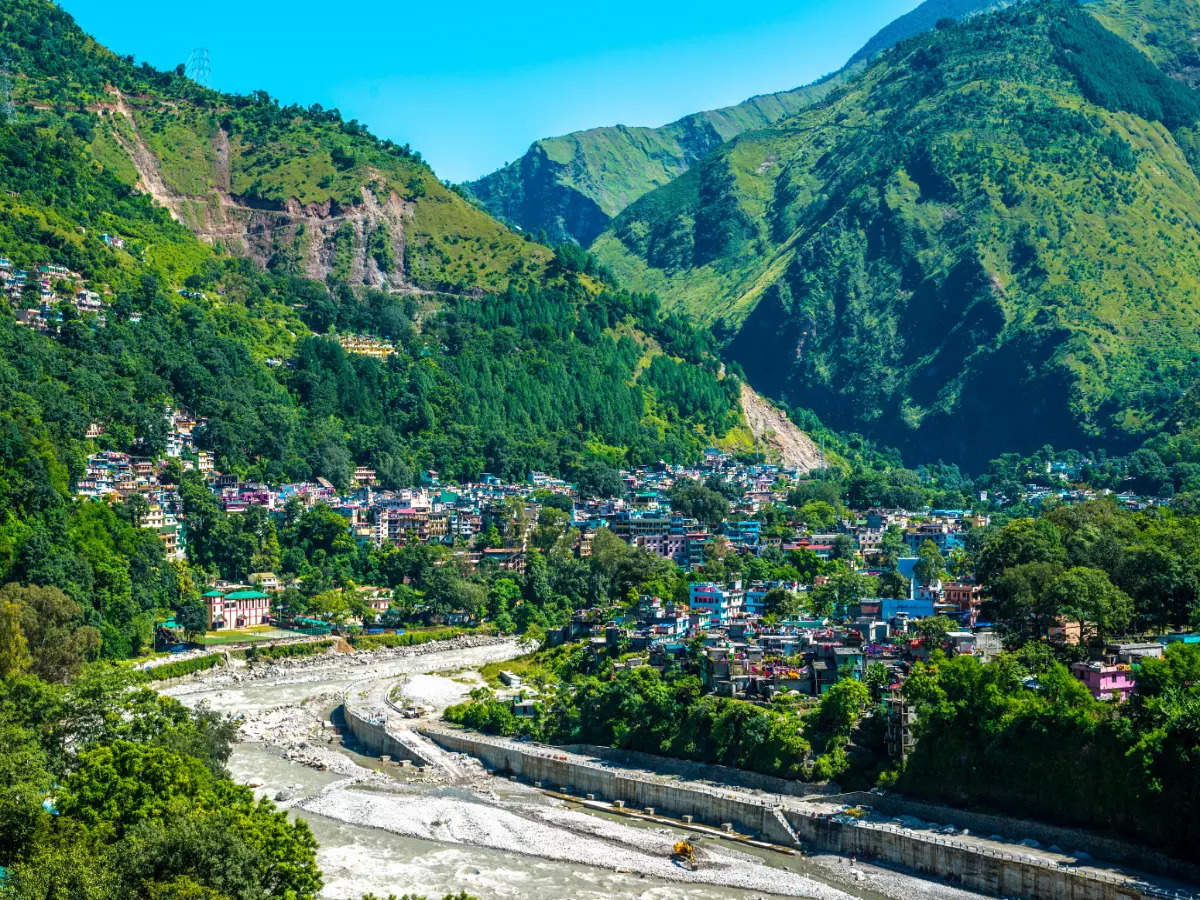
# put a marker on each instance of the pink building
(1105, 680)
(664, 544)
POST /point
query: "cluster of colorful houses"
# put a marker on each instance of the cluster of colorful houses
(749, 657)
(746, 645)
(35, 293)
(755, 656)
(114, 476)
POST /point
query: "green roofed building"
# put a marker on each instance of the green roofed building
(247, 595)
(237, 609)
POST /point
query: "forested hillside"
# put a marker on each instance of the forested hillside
(298, 189)
(570, 187)
(534, 354)
(986, 241)
(1165, 30)
(557, 369)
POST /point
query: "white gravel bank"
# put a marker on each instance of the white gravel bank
(573, 837)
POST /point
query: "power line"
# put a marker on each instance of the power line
(198, 67)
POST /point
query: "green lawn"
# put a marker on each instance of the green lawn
(246, 635)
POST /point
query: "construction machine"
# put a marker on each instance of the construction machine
(685, 854)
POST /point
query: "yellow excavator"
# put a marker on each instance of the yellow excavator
(685, 854)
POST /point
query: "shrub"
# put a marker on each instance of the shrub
(286, 651)
(184, 667)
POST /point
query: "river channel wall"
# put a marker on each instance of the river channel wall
(370, 729)
(697, 771)
(971, 866)
(1071, 840)
(555, 771)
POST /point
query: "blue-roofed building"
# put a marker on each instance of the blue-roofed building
(914, 608)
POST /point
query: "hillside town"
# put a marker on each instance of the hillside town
(35, 294)
(761, 637)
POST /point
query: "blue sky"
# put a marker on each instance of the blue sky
(471, 84)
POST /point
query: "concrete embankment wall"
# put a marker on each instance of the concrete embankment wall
(970, 865)
(683, 768)
(371, 731)
(1070, 840)
(709, 806)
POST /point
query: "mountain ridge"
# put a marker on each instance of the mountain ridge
(606, 168)
(974, 245)
(284, 184)
(571, 186)
(282, 233)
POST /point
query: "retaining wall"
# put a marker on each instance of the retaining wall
(536, 763)
(970, 865)
(698, 771)
(370, 729)
(1069, 839)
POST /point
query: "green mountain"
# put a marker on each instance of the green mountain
(1165, 30)
(570, 187)
(507, 357)
(921, 19)
(298, 189)
(500, 355)
(987, 241)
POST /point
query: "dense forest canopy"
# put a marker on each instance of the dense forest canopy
(983, 243)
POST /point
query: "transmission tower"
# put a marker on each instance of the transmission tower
(6, 107)
(198, 67)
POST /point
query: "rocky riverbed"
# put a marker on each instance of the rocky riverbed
(393, 829)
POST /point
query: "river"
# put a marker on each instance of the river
(406, 830)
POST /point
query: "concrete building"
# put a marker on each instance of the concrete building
(721, 602)
(1106, 680)
(238, 609)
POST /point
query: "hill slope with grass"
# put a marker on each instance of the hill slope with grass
(988, 241)
(537, 366)
(571, 186)
(297, 189)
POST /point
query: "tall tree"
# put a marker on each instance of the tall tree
(1087, 596)
(58, 643)
(14, 648)
(931, 565)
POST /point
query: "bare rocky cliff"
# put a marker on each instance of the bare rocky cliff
(314, 240)
(778, 435)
